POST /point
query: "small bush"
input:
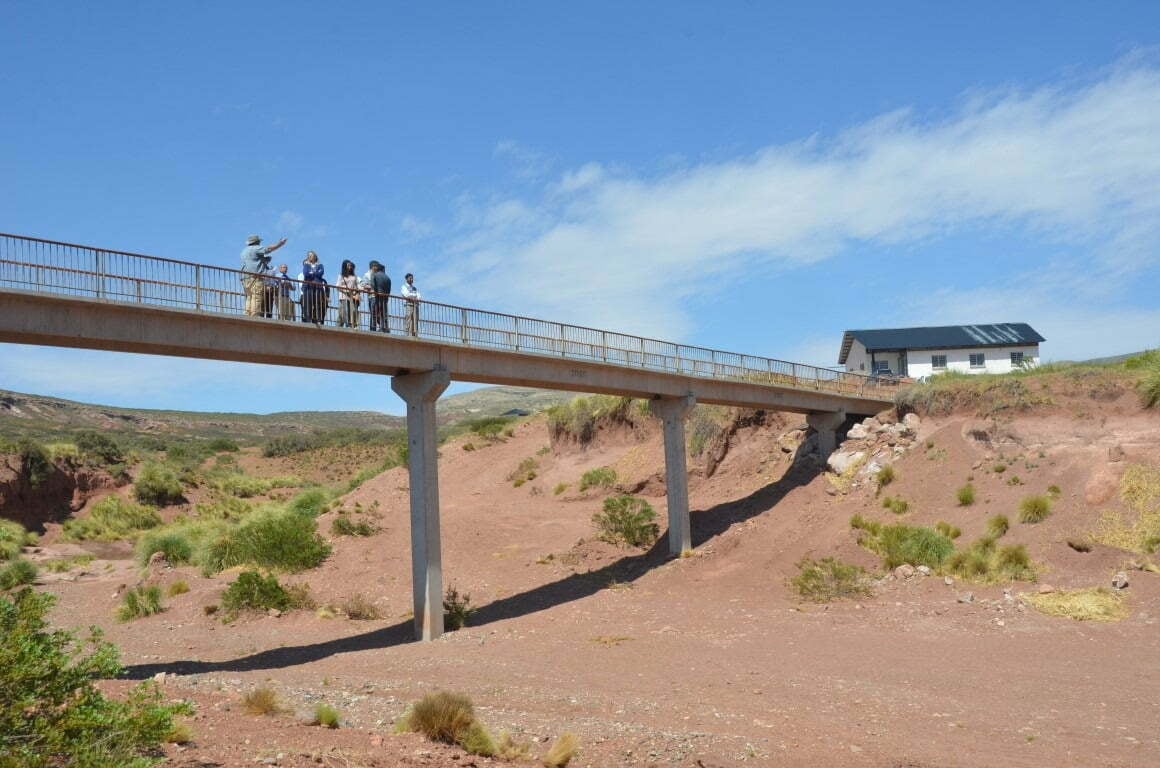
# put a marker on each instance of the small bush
(560, 488)
(859, 523)
(112, 518)
(1054, 491)
(159, 485)
(311, 503)
(177, 588)
(965, 495)
(13, 538)
(325, 716)
(898, 544)
(448, 718)
(997, 526)
(1014, 480)
(948, 530)
(1149, 387)
(344, 525)
(222, 445)
(174, 543)
(359, 608)
(601, 477)
(1079, 545)
(999, 469)
(99, 448)
(17, 573)
(983, 561)
(1034, 509)
(490, 428)
(276, 539)
(51, 713)
(578, 418)
(1098, 604)
(288, 445)
(34, 462)
(262, 701)
(524, 473)
(896, 504)
(627, 520)
(63, 564)
(457, 609)
(885, 476)
(139, 602)
(828, 579)
(562, 751)
(253, 591)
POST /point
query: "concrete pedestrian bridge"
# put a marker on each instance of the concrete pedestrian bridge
(66, 295)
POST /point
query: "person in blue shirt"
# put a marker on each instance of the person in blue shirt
(255, 264)
(284, 290)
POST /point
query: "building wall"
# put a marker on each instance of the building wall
(996, 359)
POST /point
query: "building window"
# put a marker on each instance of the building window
(1016, 359)
(938, 362)
(977, 360)
(881, 366)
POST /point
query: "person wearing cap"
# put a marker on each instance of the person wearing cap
(379, 288)
(255, 264)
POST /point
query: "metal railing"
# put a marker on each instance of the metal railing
(33, 264)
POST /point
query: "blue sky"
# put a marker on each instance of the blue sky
(755, 177)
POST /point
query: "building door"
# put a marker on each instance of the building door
(902, 363)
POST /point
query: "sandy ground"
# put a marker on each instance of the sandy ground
(708, 660)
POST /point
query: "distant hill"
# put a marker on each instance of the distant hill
(40, 417)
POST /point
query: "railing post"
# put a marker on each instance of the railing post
(604, 344)
(516, 325)
(642, 365)
(100, 270)
(463, 325)
(197, 287)
(562, 352)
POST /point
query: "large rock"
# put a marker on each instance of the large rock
(911, 421)
(857, 432)
(840, 461)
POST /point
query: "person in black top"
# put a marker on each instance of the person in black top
(379, 289)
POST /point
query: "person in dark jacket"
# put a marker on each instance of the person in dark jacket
(313, 289)
(379, 288)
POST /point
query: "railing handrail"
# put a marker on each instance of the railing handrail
(692, 354)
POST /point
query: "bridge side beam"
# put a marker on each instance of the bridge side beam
(672, 411)
(420, 391)
(826, 424)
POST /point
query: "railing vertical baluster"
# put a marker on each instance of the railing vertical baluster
(516, 325)
(197, 287)
(463, 325)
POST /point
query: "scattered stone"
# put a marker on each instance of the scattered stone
(911, 420)
(159, 677)
(967, 597)
(840, 461)
(1116, 453)
(924, 570)
(376, 741)
(274, 612)
(1120, 580)
(857, 432)
(948, 581)
(904, 571)
(1045, 589)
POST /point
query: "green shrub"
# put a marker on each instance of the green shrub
(177, 588)
(51, 713)
(965, 495)
(577, 419)
(99, 448)
(34, 462)
(1149, 387)
(311, 502)
(627, 520)
(448, 718)
(999, 469)
(524, 473)
(253, 591)
(16, 573)
(1054, 491)
(326, 716)
(948, 530)
(139, 602)
(859, 523)
(13, 538)
(222, 445)
(982, 561)
(344, 525)
(997, 526)
(898, 544)
(896, 504)
(1014, 480)
(1033, 509)
(288, 445)
(278, 539)
(827, 579)
(457, 609)
(173, 542)
(885, 476)
(112, 518)
(490, 428)
(63, 564)
(220, 506)
(600, 477)
(158, 484)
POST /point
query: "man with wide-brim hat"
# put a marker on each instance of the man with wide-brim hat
(255, 264)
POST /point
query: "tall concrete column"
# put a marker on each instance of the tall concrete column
(826, 425)
(420, 391)
(672, 411)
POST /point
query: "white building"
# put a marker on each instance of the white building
(919, 352)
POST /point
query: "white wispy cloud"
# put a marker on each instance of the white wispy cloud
(1075, 165)
(526, 163)
(415, 228)
(290, 222)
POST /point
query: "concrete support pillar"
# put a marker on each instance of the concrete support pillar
(826, 425)
(672, 411)
(420, 391)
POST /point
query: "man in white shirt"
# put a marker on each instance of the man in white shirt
(411, 294)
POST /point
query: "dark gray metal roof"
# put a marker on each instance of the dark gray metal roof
(940, 337)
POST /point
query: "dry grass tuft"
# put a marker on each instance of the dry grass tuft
(1092, 604)
(262, 701)
(1140, 490)
(448, 718)
(562, 751)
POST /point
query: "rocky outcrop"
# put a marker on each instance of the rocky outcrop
(63, 490)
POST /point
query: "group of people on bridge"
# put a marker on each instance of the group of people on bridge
(274, 293)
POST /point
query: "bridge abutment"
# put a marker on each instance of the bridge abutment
(420, 391)
(673, 411)
(826, 425)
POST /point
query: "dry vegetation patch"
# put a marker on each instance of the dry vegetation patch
(1093, 604)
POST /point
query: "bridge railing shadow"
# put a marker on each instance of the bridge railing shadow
(706, 525)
